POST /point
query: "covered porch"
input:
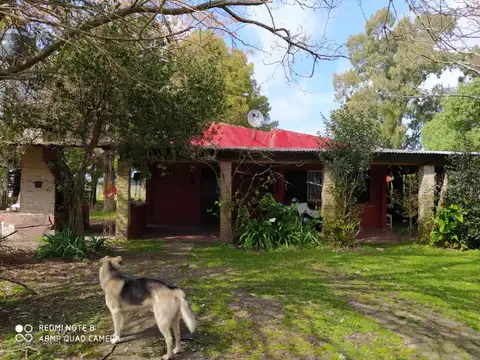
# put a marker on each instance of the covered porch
(185, 195)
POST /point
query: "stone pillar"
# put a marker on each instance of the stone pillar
(37, 184)
(443, 191)
(328, 206)
(426, 194)
(123, 200)
(226, 201)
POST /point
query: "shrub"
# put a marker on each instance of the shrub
(97, 244)
(67, 244)
(462, 190)
(274, 225)
(342, 232)
(347, 158)
(449, 229)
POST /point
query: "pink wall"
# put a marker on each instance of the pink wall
(176, 198)
(376, 212)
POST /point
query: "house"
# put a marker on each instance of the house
(236, 161)
(241, 158)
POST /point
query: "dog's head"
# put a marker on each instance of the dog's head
(115, 261)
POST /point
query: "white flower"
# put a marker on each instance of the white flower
(272, 220)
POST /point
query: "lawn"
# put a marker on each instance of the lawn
(394, 302)
(341, 304)
(101, 215)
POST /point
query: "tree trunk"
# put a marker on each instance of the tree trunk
(76, 203)
(93, 190)
(108, 203)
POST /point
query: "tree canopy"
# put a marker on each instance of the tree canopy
(147, 100)
(456, 127)
(51, 25)
(242, 91)
(388, 68)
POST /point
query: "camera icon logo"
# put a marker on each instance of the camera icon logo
(24, 333)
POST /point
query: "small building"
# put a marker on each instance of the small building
(238, 161)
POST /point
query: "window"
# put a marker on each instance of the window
(314, 186)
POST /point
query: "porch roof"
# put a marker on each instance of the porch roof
(382, 156)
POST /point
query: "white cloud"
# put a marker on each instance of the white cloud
(466, 35)
(301, 111)
(449, 78)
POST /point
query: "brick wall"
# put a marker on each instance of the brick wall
(37, 200)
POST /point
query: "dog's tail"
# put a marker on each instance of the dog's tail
(186, 311)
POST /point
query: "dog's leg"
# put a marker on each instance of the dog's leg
(117, 317)
(176, 333)
(164, 319)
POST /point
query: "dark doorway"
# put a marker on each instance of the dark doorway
(364, 195)
(210, 194)
(395, 184)
(296, 181)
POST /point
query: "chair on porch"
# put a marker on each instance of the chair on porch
(389, 220)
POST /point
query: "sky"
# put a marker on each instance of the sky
(299, 105)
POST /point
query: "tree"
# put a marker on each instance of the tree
(462, 191)
(125, 95)
(242, 91)
(456, 128)
(406, 198)
(461, 16)
(347, 158)
(54, 24)
(387, 71)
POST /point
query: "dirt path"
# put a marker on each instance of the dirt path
(79, 299)
(75, 288)
(433, 335)
(142, 339)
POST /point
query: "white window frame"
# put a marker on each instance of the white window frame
(319, 199)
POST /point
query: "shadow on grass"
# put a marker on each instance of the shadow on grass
(313, 320)
(288, 304)
(323, 280)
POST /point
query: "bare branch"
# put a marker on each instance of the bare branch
(19, 283)
(100, 20)
(285, 36)
(62, 23)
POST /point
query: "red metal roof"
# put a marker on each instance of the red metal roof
(226, 136)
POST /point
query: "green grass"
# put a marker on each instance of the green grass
(309, 290)
(101, 215)
(144, 245)
(278, 305)
(67, 308)
(447, 281)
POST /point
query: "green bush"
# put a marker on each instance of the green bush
(67, 244)
(462, 190)
(449, 229)
(273, 225)
(342, 232)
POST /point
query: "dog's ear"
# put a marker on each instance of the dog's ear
(118, 260)
(103, 259)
